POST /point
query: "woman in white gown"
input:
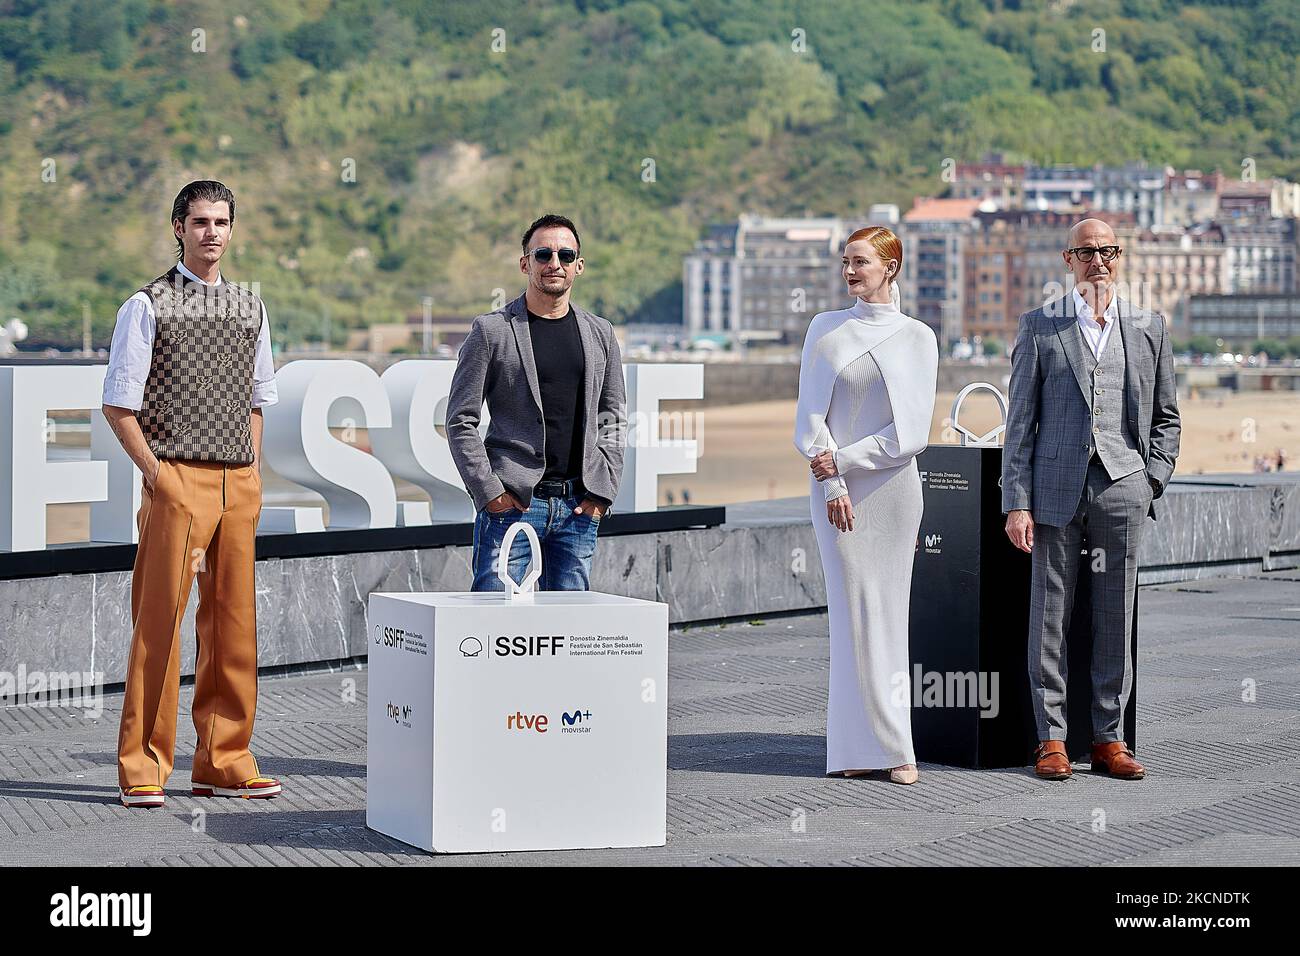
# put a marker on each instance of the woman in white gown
(866, 398)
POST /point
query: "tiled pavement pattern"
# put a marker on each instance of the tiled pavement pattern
(746, 762)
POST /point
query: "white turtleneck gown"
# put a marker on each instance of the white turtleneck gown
(866, 391)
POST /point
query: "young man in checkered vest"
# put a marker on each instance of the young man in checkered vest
(188, 374)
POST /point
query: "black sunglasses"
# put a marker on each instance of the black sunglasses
(544, 253)
(1108, 253)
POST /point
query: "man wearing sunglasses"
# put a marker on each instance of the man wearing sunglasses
(552, 377)
(1092, 436)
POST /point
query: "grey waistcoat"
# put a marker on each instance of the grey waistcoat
(1111, 436)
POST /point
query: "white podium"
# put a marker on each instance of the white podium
(517, 720)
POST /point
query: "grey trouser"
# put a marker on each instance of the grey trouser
(1108, 525)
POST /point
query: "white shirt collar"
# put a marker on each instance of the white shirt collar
(180, 267)
(1084, 311)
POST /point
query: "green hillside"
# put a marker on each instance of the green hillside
(457, 145)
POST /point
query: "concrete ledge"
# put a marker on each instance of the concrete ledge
(1223, 524)
(763, 560)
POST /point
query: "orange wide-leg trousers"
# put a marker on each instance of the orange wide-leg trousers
(200, 521)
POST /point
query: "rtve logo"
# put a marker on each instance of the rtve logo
(521, 721)
(398, 714)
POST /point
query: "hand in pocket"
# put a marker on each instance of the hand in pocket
(504, 502)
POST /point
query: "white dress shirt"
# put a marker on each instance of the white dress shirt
(131, 354)
(1094, 333)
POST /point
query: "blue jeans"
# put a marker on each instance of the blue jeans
(568, 544)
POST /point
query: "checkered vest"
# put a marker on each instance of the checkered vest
(198, 397)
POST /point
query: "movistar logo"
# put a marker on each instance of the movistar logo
(577, 717)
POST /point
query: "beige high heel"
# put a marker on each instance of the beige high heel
(905, 774)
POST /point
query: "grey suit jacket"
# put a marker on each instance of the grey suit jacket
(496, 366)
(1045, 456)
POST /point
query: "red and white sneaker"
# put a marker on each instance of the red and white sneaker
(256, 788)
(147, 796)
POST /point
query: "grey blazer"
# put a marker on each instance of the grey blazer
(496, 365)
(1045, 456)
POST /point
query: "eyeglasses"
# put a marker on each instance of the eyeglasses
(544, 254)
(1108, 253)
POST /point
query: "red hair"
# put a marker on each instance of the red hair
(885, 243)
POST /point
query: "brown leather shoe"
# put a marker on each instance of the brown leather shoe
(1114, 759)
(1051, 762)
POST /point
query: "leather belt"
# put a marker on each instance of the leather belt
(569, 488)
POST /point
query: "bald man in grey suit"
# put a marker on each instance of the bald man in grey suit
(1091, 440)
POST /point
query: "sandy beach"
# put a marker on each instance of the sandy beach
(748, 454)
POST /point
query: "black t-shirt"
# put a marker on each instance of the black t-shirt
(557, 351)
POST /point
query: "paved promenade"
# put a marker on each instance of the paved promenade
(746, 762)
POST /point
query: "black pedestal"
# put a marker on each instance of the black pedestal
(969, 625)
